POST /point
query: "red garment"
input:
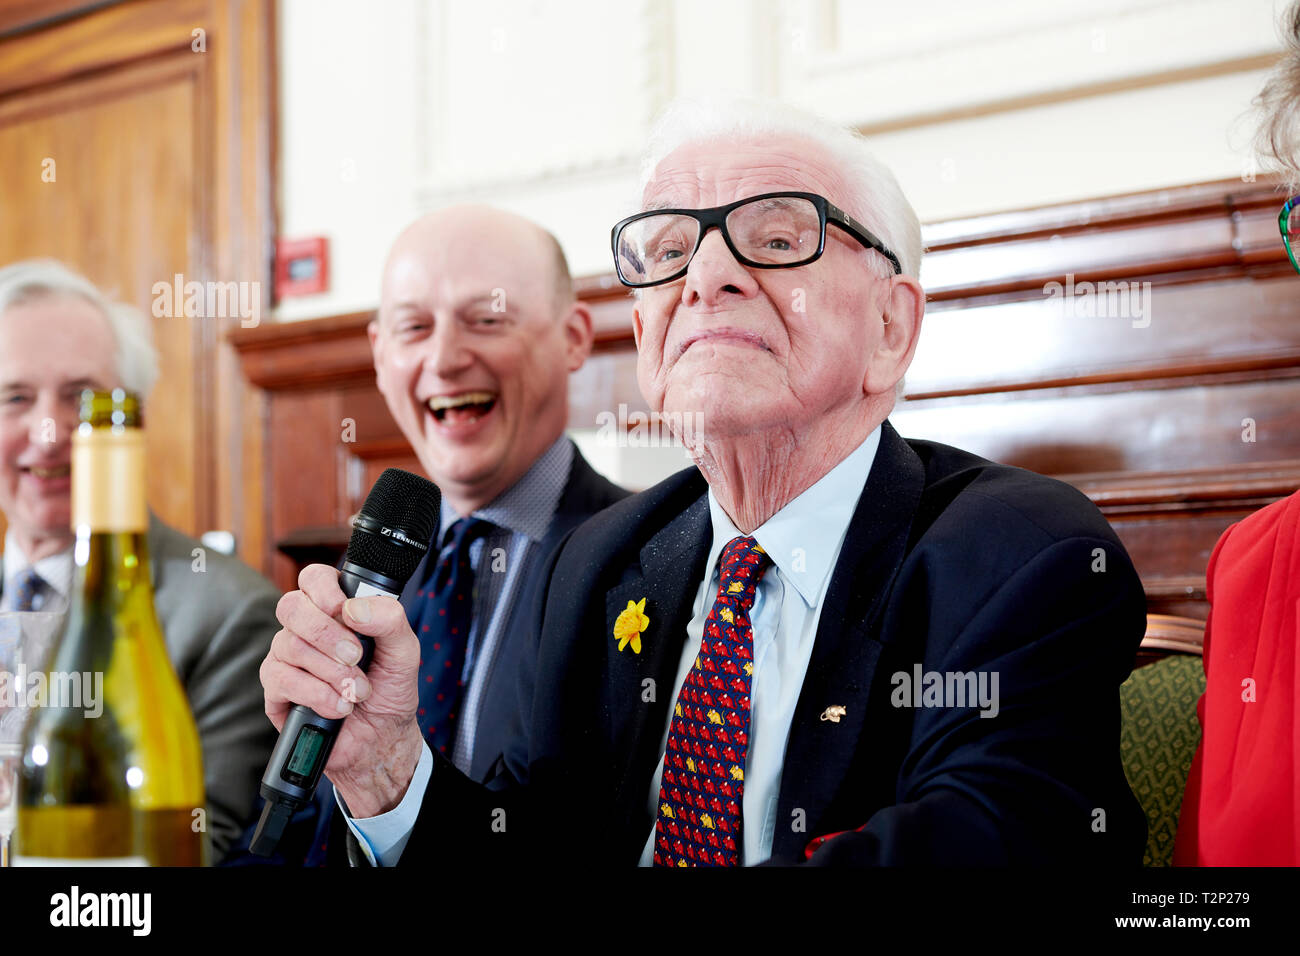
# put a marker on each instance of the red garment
(1242, 804)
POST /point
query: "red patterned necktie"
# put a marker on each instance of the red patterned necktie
(703, 785)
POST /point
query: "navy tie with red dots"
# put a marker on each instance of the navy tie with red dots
(443, 631)
(701, 793)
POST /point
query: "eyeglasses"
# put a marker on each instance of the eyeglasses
(1288, 223)
(771, 231)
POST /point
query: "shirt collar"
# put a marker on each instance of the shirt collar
(527, 506)
(805, 558)
(55, 570)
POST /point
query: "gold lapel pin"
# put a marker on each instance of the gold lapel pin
(834, 712)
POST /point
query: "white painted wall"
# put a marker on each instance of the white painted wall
(348, 150)
(398, 106)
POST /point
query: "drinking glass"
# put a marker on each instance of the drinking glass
(25, 641)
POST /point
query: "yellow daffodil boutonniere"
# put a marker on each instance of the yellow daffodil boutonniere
(631, 623)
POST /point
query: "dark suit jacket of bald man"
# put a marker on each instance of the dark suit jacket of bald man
(585, 493)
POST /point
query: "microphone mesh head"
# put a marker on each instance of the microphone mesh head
(404, 502)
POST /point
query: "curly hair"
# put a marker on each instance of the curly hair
(1278, 138)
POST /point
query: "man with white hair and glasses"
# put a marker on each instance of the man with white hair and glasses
(59, 335)
(824, 643)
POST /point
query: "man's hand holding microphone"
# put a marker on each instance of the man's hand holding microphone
(340, 678)
(313, 661)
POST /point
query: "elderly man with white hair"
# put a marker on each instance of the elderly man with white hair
(824, 644)
(59, 335)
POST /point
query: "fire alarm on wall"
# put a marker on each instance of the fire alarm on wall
(302, 266)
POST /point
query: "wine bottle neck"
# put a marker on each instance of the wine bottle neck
(120, 558)
(108, 482)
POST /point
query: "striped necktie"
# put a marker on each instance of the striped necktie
(703, 785)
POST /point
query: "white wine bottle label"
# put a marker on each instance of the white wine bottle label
(108, 481)
(74, 861)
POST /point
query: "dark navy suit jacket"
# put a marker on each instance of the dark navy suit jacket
(952, 563)
(585, 493)
(318, 834)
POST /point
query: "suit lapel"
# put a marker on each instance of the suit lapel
(819, 751)
(670, 570)
(577, 503)
(573, 508)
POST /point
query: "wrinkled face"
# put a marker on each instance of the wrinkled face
(470, 355)
(51, 348)
(757, 349)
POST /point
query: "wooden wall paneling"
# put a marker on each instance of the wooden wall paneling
(377, 444)
(25, 16)
(1113, 254)
(1170, 521)
(1167, 550)
(104, 38)
(325, 416)
(124, 209)
(316, 353)
(1172, 330)
(244, 225)
(165, 164)
(303, 462)
(1179, 232)
(1177, 425)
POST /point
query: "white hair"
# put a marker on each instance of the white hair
(136, 359)
(875, 198)
(1278, 138)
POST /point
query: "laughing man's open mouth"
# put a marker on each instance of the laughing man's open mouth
(463, 408)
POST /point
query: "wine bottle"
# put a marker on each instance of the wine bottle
(119, 780)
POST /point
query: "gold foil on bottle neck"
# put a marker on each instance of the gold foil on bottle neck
(108, 481)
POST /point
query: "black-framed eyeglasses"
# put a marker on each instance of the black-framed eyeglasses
(770, 231)
(1288, 223)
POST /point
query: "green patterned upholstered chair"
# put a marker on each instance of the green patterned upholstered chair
(1159, 731)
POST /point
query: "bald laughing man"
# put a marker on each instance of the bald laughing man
(477, 332)
(475, 337)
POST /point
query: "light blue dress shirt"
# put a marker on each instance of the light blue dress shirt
(804, 540)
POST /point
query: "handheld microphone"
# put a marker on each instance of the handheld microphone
(389, 539)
